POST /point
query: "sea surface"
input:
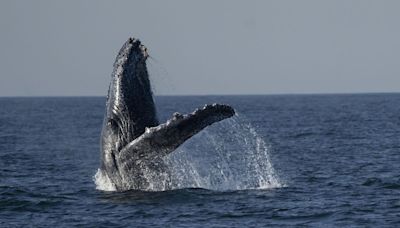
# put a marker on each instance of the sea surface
(284, 160)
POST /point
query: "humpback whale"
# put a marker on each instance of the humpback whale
(132, 140)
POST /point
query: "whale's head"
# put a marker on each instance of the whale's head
(130, 106)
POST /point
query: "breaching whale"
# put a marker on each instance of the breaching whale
(132, 140)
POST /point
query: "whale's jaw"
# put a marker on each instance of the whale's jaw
(130, 104)
(132, 140)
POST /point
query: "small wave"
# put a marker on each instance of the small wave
(378, 182)
(303, 135)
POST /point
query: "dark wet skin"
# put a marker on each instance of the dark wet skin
(133, 141)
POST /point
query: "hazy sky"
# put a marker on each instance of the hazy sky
(202, 47)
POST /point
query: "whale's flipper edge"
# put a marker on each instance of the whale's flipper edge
(165, 138)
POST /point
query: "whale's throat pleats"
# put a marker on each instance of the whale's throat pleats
(131, 96)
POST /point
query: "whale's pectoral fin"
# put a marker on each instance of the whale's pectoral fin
(166, 137)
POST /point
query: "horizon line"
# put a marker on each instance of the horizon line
(221, 95)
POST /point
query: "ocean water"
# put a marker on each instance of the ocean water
(284, 160)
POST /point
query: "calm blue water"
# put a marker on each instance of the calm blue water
(337, 157)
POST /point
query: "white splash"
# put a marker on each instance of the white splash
(229, 155)
(103, 182)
